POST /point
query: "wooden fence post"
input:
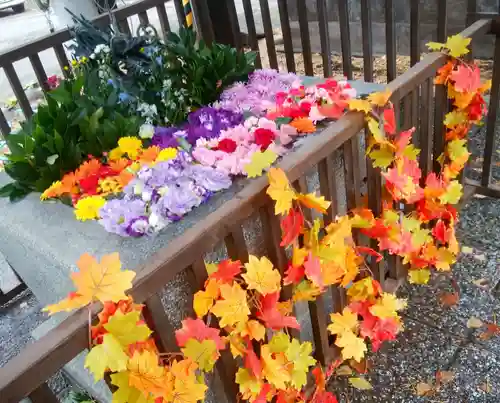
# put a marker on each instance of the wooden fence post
(225, 25)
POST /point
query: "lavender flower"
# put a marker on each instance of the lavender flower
(116, 215)
(138, 226)
(164, 137)
(210, 178)
(180, 200)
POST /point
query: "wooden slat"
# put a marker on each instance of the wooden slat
(179, 10)
(157, 320)
(62, 59)
(287, 35)
(324, 35)
(490, 191)
(338, 297)
(471, 11)
(252, 32)
(4, 125)
(352, 173)
(328, 187)
(414, 32)
(203, 21)
(268, 32)
(442, 11)
(124, 27)
(345, 38)
(162, 16)
(390, 40)
(441, 108)
(236, 245)
(18, 89)
(489, 147)
(43, 394)
(40, 74)
(415, 115)
(426, 105)
(143, 18)
(319, 324)
(272, 238)
(366, 26)
(305, 38)
(407, 101)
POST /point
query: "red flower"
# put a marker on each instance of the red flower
(89, 184)
(264, 138)
(227, 145)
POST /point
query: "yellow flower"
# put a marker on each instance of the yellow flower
(109, 185)
(130, 145)
(84, 59)
(53, 191)
(167, 154)
(66, 68)
(88, 208)
(74, 62)
(115, 154)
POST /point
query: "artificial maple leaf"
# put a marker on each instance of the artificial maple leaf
(313, 270)
(455, 118)
(449, 299)
(294, 274)
(198, 330)
(126, 328)
(457, 45)
(280, 191)
(421, 276)
(360, 383)
(186, 387)
(364, 289)
(361, 105)
(390, 120)
(259, 162)
(107, 355)
(127, 393)
(435, 46)
(250, 386)
(315, 202)
(452, 194)
(343, 322)
(387, 306)
(291, 227)
(233, 308)
(382, 158)
(380, 98)
(261, 275)
(272, 317)
(352, 346)
(457, 149)
(204, 300)
(104, 281)
(274, 369)
(253, 329)
(252, 362)
(376, 132)
(203, 353)
(467, 78)
(300, 355)
(145, 373)
(306, 291)
(226, 271)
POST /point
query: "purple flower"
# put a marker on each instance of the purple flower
(208, 122)
(117, 214)
(210, 178)
(164, 137)
(179, 200)
(138, 226)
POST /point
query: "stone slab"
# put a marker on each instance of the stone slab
(8, 278)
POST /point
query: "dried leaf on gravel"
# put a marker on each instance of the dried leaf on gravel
(360, 383)
(483, 283)
(467, 250)
(492, 329)
(449, 299)
(485, 387)
(444, 377)
(481, 258)
(343, 370)
(424, 389)
(474, 323)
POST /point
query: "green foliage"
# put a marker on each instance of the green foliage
(78, 397)
(78, 119)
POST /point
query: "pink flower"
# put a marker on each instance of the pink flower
(207, 157)
(285, 134)
(53, 82)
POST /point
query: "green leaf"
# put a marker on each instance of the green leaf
(58, 142)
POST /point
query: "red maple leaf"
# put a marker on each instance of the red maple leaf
(197, 329)
(439, 231)
(390, 120)
(291, 226)
(227, 270)
(467, 78)
(403, 140)
(294, 274)
(262, 396)
(252, 362)
(379, 230)
(272, 317)
(313, 270)
(369, 251)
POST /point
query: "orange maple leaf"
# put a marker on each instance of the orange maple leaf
(303, 125)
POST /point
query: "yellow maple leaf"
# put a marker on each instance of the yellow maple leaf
(343, 322)
(411, 152)
(145, 373)
(185, 386)
(445, 259)
(376, 132)
(233, 308)
(107, 355)
(306, 291)
(361, 105)
(352, 346)
(125, 328)
(274, 369)
(457, 149)
(259, 162)
(457, 45)
(104, 281)
(280, 191)
(361, 290)
(318, 203)
(380, 98)
(455, 118)
(421, 276)
(452, 194)
(299, 256)
(435, 46)
(204, 353)
(250, 386)
(252, 328)
(300, 355)
(387, 306)
(382, 158)
(261, 275)
(127, 393)
(204, 300)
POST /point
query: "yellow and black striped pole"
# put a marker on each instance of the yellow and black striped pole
(188, 12)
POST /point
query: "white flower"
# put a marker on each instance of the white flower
(92, 56)
(251, 122)
(157, 221)
(146, 196)
(146, 131)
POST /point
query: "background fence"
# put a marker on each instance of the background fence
(335, 158)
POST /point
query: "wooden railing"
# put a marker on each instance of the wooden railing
(421, 106)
